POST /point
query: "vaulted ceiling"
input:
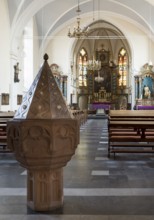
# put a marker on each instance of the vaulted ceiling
(53, 15)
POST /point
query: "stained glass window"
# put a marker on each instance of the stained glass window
(82, 67)
(123, 63)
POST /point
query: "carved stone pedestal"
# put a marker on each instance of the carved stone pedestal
(43, 147)
(43, 135)
(45, 190)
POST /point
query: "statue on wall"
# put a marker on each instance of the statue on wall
(144, 86)
(16, 72)
(146, 92)
(122, 102)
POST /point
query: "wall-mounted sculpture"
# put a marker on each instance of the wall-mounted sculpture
(16, 72)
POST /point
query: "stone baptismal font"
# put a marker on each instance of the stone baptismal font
(43, 135)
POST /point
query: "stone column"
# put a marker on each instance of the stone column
(45, 189)
(136, 87)
(65, 86)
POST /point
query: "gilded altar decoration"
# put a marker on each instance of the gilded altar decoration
(144, 86)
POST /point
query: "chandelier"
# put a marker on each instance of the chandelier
(99, 79)
(78, 32)
(93, 65)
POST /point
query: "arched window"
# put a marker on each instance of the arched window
(82, 67)
(123, 63)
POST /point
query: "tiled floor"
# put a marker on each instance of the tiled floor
(95, 187)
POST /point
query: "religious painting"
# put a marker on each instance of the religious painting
(103, 56)
(5, 99)
(147, 87)
(19, 99)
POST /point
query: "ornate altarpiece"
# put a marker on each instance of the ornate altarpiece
(102, 91)
(144, 86)
(106, 91)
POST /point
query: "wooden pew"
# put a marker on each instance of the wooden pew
(4, 117)
(9, 114)
(131, 114)
(80, 115)
(131, 131)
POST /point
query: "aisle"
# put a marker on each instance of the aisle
(95, 187)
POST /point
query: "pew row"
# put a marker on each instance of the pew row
(80, 115)
(4, 118)
(131, 131)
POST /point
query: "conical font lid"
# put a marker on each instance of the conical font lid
(44, 99)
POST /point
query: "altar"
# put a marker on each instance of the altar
(99, 105)
(145, 107)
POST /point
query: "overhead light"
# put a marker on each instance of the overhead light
(99, 79)
(93, 65)
(78, 32)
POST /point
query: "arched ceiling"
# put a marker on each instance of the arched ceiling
(53, 15)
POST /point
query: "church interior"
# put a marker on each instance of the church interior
(77, 109)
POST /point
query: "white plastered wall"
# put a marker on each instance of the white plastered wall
(4, 52)
(18, 51)
(36, 64)
(59, 52)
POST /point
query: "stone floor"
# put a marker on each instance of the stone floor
(95, 187)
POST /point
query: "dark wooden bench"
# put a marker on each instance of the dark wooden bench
(80, 115)
(131, 131)
(4, 118)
